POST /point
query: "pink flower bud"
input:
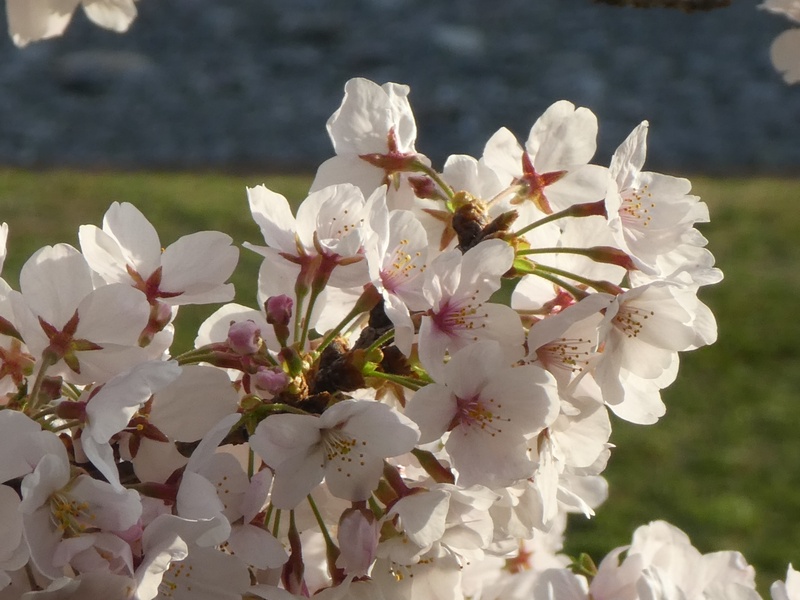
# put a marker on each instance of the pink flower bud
(273, 381)
(244, 337)
(358, 541)
(279, 310)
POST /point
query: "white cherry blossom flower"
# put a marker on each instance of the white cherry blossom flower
(346, 445)
(89, 334)
(32, 20)
(396, 254)
(552, 169)
(662, 558)
(457, 289)
(58, 507)
(488, 408)
(192, 270)
(372, 120)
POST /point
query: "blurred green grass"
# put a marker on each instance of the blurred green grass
(723, 464)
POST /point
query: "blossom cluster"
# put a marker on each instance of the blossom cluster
(419, 398)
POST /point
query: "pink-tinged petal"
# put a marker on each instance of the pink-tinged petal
(197, 266)
(432, 408)
(32, 20)
(116, 15)
(273, 215)
(193, 403)
(136, 236)
(256, 547)
(54, 281)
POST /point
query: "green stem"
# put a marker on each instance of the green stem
(315, 292)
(320, 521)
(407, 382)
(43, 413)
(251, 463)
(389, 335)
(48, 360)
(576, 210)
(276, 526)
(574, 291)
(375, 507)
(431, 172)
(600, 286)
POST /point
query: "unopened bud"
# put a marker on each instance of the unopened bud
(244, 337)
(279, 315)
(358, 541)
(273, 381)
(279, 309)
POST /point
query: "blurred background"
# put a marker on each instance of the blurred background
(249, 84)
(204, 97)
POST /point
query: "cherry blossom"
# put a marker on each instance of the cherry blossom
(32, 20)
(346, 445)
(488, 408)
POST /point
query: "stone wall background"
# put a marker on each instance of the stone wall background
(249, 84)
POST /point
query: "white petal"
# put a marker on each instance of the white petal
(116, 15)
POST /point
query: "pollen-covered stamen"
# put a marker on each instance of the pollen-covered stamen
(341, 226)
(460, 318)
(402, 267)
(342, 451)
(635, 208)
(479, 413)
(70, 517)
(630, 320)
(570, 354)
(177, 576)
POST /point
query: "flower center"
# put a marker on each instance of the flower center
(630, 320)
(635, 209)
